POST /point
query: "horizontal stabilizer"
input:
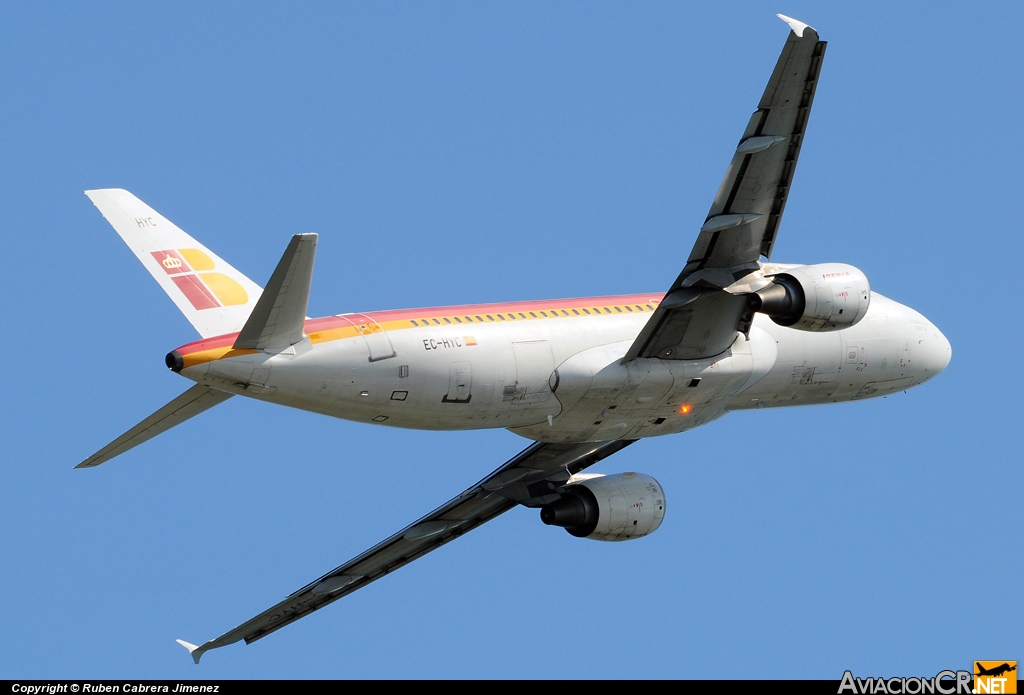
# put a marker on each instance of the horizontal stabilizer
(213, 296)
(279, 316)
(187, 405)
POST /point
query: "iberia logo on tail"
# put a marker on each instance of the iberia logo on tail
(203, 289)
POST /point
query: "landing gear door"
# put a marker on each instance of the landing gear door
(534, 364)
(821, 359)
(376, 338)
(460, 382)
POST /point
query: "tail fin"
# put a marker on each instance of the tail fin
(213, 296)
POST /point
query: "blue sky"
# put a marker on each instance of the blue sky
(469, 152)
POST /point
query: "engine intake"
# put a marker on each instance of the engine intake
(609, 507)
(819, 298)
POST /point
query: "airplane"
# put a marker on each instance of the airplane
(994, 671)
(582, 378)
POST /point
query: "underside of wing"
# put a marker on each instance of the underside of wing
(532, 478)
(745, 216)
(709, 301)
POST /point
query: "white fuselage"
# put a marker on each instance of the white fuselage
(560, 378)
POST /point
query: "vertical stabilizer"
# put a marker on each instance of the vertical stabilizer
(213, 296)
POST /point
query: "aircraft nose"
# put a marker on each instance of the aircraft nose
(937, 352)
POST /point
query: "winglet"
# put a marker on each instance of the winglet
(279, 316)
(796, 25)
(196, 652)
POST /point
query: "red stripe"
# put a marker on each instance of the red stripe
(196, 292)
(220, 341)
(328, 322)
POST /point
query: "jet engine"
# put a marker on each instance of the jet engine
(608, 507)
(821, 297)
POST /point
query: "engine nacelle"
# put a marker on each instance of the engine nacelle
(609, 507)
(821, 297)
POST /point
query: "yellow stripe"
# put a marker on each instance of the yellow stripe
(205, 356)
(332, 334)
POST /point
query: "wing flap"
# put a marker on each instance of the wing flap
(539, 465)
(197, 399)
(705, 327)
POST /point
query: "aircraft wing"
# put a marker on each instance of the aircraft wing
(700, 316)
(531, 478)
